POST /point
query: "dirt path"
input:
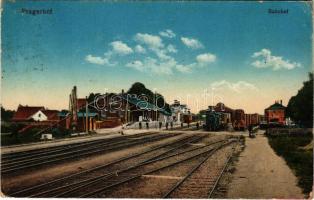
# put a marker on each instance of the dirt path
(260, 173)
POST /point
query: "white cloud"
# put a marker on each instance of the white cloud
(158, 60)
(139, 49)
(185, 68)
(267, 60)
(167, 33)
(160, 67)
(138, 65)
(171, 48)
(238, 87)
(192, 43)
(205, 58)
(121, 48)
(152, 41)
(162, 54)
(96, 60)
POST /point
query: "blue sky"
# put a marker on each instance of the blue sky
(238, 52)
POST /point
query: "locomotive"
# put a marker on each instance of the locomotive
(216, 121)
(212, 121)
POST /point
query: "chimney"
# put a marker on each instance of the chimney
(122, 91)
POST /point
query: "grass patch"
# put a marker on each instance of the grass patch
(13, 139)
(30, 136)
(300, 160)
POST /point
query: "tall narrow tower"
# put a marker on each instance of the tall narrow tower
(73, 108)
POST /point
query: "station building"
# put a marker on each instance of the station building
(275, 113)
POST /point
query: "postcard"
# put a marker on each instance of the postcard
(157, 99)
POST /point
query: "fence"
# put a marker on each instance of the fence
(288, 131)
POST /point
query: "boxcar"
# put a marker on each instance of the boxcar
(239, 120)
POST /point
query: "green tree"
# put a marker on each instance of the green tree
(92, 96)
(300, 106)
(139, 89)
(161, 103)
(6, 115)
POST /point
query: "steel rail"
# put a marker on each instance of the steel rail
(95, 179)
(49, 150)
(28, 162)
(220, 174)
(101, 166)
(69, 150)
(42, 151)
(190, 173)
(108, 175)
(134, 167)
(89, 147)
(7, 170)
(90, 194)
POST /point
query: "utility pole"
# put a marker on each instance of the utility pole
(156, 108)
(86, 115)
(73, 103)
(126, 112)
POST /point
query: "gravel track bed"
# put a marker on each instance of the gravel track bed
(153, 185)
(140, 170)
(149, 185)
(29, 178)
(201, 181)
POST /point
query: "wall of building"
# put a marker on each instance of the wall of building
(39, 116)
(275, 116)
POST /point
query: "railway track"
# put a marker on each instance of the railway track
(54, 149)
(136, 171)
(103, 168)
(192, 127)
(50, 150)
(38, 158)
(200, 182)
(77, 185)
(169, 161)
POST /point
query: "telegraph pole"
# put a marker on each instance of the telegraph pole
(86, 115)
(156, 109)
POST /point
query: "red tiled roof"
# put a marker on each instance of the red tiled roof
(25, 112)
(51, 114)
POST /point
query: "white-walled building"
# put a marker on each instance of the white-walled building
(39, 116)
(34, 113)
(178, 110)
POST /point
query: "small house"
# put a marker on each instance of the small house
(275, 113)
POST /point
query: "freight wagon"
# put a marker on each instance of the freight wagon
(239, 120)
(252, 119)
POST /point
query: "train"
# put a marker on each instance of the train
(212, 121)
(220, 117)
(216, 121)
(238, 120)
